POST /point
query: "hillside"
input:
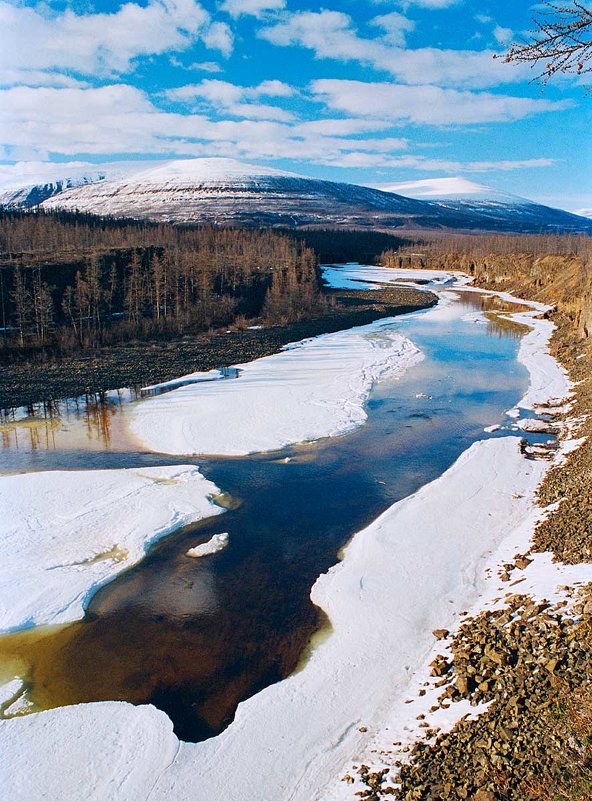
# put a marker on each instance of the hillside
(496, 210)
(227, 192)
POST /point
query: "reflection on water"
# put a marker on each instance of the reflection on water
(495, 310)
(90, 422)
(194, 637)
(59, 434)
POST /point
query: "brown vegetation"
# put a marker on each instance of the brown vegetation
(69, 282)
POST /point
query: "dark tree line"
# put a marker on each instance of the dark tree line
(69, 281)
(336, 246)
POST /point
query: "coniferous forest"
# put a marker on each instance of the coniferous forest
(69, 281)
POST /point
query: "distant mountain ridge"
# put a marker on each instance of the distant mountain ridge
(34, 194)
(228, 192)
(489, 205)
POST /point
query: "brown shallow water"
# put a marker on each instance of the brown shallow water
(195, 637)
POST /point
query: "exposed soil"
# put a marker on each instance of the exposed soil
(533, 664)
(143, 363)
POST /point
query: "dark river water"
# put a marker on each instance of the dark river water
(195, 637)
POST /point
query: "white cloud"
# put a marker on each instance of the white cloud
(429, 3)
(331, 34)
(19, 77)
(225, 93)
(328, 33)
(503, 35)
(104, 43)
(237, 101)
(196, 66)
(374, 161)
(254, 8)
(395, 26)
(508, 164)
(343, 127)
(122, 119)
(217, 92)
(218, 36)
(118, 118)
(430, 105)
(274, 88)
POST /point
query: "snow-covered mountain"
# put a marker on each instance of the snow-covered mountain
(227, 192)
(25, 197)
(452, 188)
(489, 208)
(22, 189)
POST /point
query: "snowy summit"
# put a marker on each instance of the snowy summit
(453, 188)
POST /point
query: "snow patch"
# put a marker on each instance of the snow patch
(202, 170)
(60, 754)
(455, 188)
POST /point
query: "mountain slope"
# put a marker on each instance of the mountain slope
(225, 191)
(489, 208)
(228, 192)
(25, 197)
(44, 180)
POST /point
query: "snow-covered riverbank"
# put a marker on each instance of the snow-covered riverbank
(414, 569)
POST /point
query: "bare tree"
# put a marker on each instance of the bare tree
(561, 41)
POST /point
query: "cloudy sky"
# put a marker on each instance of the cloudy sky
(365, 91)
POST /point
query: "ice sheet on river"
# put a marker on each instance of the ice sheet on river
(362, 276)
(312, 389)
(64, 533)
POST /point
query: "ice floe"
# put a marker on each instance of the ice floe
(312, 389)
(64, 533)
(217, 543)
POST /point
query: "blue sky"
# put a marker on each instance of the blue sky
(368, 92)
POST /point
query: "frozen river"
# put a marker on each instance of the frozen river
(196, 637)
